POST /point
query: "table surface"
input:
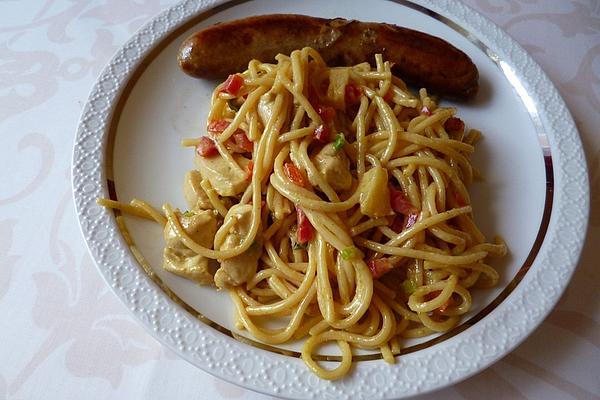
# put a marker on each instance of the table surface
(64, 335)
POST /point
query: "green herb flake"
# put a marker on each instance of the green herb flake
(348, 253)
(409, 286)
(339, 141)
(188, 214)
(300, 246)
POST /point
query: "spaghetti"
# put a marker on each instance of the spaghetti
(334, 201)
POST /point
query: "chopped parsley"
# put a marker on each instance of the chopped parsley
(339, 141)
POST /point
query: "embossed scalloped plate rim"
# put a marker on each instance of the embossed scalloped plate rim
(445, 363)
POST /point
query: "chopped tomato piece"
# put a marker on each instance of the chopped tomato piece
(249, 170)
(321, 133)
(218, 125)
(454, 124)
(425, 111)
(206, 147)
(400, 203)
(232, 85)
(243, 142)
(389, 96)
(293, 174)
(460, 201)
(352, 93)
(305, 232)
(326, 112)
(379, 267)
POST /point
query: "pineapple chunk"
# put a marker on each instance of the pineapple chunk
(374, 193)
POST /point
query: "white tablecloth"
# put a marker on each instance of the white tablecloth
(64, 335)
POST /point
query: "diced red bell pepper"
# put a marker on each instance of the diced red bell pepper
(352, 94)
(305, 231)
(454, 124)
(321, 133)
(232, 85)
(379, 267)
(243, 142)
(400, 203)
(327, 113)
(293, 174)
(206, 147)
(218, 125)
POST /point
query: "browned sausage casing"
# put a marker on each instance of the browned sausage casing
(418, 58)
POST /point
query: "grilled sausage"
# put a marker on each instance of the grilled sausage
(419, 58)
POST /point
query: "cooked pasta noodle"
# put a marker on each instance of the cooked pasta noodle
(336, 203)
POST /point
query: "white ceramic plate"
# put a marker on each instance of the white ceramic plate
(535, 196)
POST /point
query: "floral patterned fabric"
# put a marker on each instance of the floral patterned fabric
(64, 335)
